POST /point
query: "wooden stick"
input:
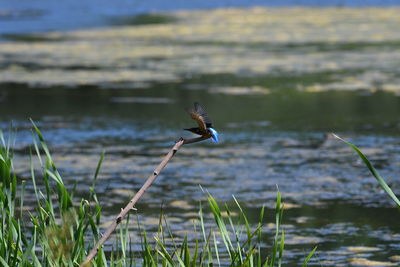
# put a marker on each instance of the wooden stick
(138, 195)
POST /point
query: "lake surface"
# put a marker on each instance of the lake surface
(47, 15)
(276, 82)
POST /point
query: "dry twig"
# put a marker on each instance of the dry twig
(138, 195)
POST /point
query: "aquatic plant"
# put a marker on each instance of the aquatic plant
(59, 230)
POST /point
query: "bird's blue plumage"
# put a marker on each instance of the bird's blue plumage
(214, 135)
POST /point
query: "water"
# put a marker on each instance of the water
(47, 15)
(274, 93)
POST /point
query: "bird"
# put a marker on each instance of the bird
(204, 121)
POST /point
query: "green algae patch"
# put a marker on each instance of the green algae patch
(298, 48)
(33, 37)
(143, 19)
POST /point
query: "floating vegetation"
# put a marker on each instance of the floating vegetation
(359, 46)
(143, 19)
(33, 37)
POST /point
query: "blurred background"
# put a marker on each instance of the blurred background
(276, 77)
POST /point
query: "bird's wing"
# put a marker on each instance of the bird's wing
(199, 109)
(199, 119)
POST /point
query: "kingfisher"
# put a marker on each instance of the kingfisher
(204, 121)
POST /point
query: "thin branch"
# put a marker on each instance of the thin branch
(131, 204)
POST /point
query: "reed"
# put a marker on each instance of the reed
(59, 230)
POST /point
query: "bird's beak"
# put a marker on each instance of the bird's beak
(214, 135)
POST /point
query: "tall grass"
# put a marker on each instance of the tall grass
(59, 229)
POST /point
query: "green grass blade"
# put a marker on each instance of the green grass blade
(3, 141)
(206, 248)
(171, 235)
(216, 249)
(164, 253)
(260, 221)
(308, 257)
(98, 167)
(278, 217)
(42, 141)
(282, 245)
(244, 217)
(195, 253)
(374, 172)
(3, 262)
(36, 146)
(187, 256)
(55, 177)
(221, 224)
(249, 258)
